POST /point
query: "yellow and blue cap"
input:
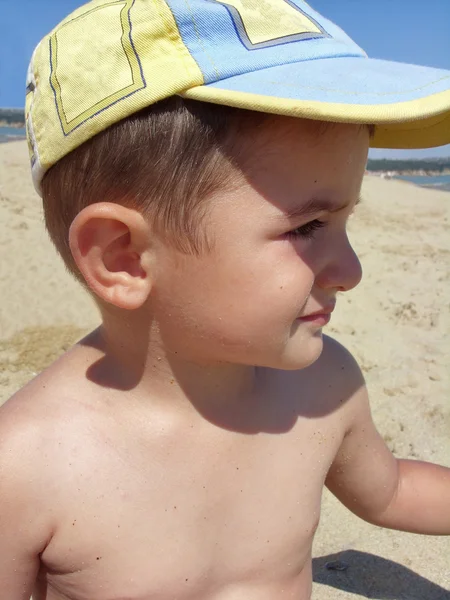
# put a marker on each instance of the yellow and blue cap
(111, 58)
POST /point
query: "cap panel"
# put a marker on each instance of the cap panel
(228, 38)
(70, 99)
(71, 60)
(264, 23)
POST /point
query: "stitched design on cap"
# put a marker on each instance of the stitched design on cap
(81, 98)
(264, 23)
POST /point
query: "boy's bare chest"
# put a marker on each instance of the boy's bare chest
(176, 518)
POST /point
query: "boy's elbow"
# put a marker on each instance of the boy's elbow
(374, 501)
(385, 518)
(388, 514)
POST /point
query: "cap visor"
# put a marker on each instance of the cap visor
(409, 104)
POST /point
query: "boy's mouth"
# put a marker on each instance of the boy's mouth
(320, 317)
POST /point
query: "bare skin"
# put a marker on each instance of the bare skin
(154, 460)
(138, 504)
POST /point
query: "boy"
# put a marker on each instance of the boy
(180, 450)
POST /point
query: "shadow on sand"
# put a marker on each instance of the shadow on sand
(371, 576)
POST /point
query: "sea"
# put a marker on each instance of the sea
(7, 134)
(437, 182)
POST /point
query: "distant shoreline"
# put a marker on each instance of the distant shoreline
(413, 172)
(4, 123)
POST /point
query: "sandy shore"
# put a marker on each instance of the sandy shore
(397, 323)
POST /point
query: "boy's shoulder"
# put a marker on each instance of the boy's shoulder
(332, 389)
(45, 429)
(28, 463)
(29, 421)
(50, 430)
(331, 392)
(24, 420)
(35, 421)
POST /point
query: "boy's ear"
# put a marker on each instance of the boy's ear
(111, 245)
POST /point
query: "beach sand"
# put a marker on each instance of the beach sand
(397, 324)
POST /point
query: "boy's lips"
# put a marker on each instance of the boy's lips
(320, 316)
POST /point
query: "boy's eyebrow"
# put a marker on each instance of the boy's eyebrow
(316, 205)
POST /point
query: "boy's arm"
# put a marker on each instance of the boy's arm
(24, 526)
(399, 494)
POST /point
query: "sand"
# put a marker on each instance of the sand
(397, 324)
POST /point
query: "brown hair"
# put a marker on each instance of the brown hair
(163, 161)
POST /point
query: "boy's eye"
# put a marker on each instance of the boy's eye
(306, 231)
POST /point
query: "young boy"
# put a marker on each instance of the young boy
(180, 450)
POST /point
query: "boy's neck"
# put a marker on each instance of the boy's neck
(139, 364)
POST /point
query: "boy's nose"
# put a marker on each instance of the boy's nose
(343, 271)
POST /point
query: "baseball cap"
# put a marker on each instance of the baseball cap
(111, 58)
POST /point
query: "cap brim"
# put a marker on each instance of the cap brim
(409, 104)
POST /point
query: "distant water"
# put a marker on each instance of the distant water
(437, 182)
(11, 133)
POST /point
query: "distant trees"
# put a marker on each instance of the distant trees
(14, 117)
(423, 164)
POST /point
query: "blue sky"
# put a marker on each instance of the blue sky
(402, 30)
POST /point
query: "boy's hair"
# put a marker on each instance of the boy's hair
(163, 161)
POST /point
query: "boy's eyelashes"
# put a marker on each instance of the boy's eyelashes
(308, 230)
(305, 231)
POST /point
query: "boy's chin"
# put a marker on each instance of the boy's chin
(300, 354)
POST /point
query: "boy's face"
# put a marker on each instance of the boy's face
(246, 301)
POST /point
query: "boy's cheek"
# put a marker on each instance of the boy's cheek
(248, 279)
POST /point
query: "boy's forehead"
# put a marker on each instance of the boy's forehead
(280, 133)
(310, 127)
(302, 167)
(300, 145)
